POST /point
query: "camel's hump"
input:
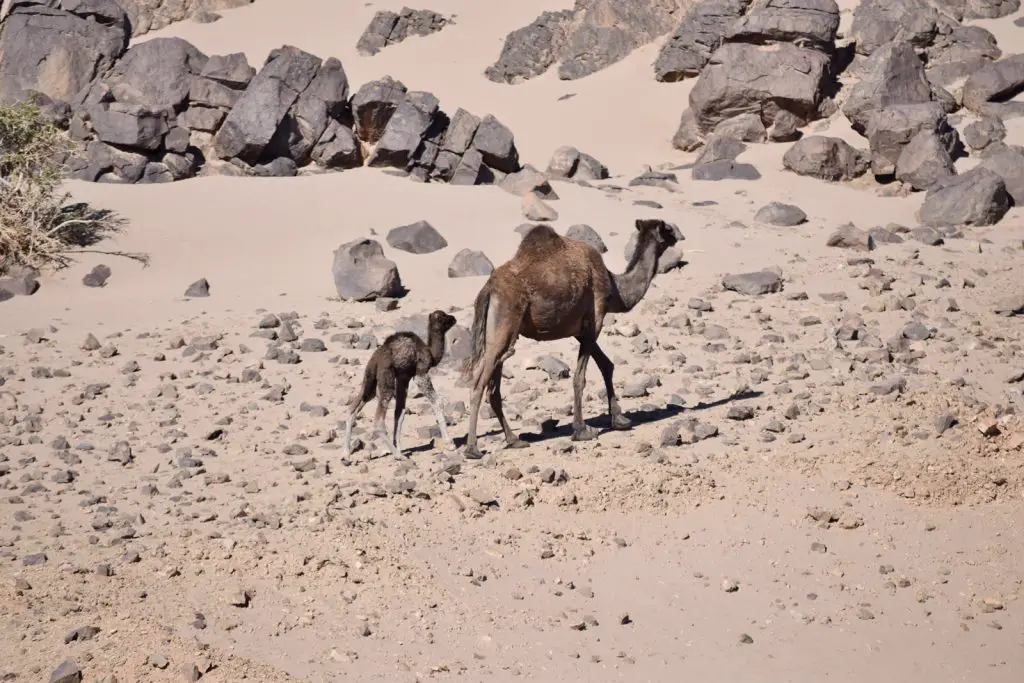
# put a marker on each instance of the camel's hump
(542, 239)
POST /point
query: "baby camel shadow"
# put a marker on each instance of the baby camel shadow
(638, 417)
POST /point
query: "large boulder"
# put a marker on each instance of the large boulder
(978, 9)
(976, 198)
(323, 101)
(531, 50)
(924, 162)
(813, 22)
(362, 273)
(825, 158)
(57, 47)
(959, 51)
(696, 38)
(134, 126)
(879, 22)
(1007, 162)
(373, 106)
(891, 128)
(405, 130)
(388, 28)
(156, 73)
(416, 238)
(255, 118)
(893, 74)
(994, 81)
(760, 79)
(592, 36)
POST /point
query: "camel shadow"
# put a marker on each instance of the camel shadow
(639, 417)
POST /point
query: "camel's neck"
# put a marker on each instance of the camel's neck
(631, 286)
(435, 344)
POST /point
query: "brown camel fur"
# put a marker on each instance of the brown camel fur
(555, 288)
(402, 357)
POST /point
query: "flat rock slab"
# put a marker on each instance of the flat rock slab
(753, 284)
(416, 238)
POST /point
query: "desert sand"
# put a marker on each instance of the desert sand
(832, 529)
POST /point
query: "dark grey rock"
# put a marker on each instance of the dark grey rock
(157, 73)
(782, 215)
(688, 136)
(983, 132)
(849, 236)
(338, 148)
(532, 49)
(892, 75)
(753, 284)
(1007, 162)
(388, 28)
(496, 145)
(725, 169)
(825, 158)
(129, 125)
(417, 238)
(67, 672)
(97, 277)
(470, 263)
(977, 197)
(696, 38)
(587, 234)
(924, 162)
(810, 22)
(362, 273)
(374, 104)
(878, 22)
(405, 130)
(568, 162)
(199, 288)
(256, 116)
(994, 81)
(892, 128)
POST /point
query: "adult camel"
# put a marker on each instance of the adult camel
(554, 288)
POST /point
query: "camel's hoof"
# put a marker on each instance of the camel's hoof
(472, 453)
(584, 434)
(517, 443)
(449, 447)
(621, 422)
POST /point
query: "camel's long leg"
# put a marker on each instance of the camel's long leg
(605, 365)
(498, 346)
(580, 430)
(427, 387)
(401, 393)
(385, 392)
(367, 392)
(494, 397)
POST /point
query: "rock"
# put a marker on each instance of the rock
(924, 162)
(373, 105)
(878, 22)
(97, 277)
(157, 73)
(785, 128)
(983, 132)
(405, 130)
(388, 28)
(58, 48)
(469, 263)
(534, 209)
(724, 169)
(890, 129)
(849, 236)
(994, 81)
(812, 22)
(753, 284)
(688, 136)
(585, 233)
(959, 51)
(323, 102)
(528, 180)
(256, 116)
(362, 273)
(1007, 162)
(892, 75)
(977, 197)
(417, 238)
(745, 127)
(760, 79)
(199, 288)
(782, 215)
(470, 169)
(719, 148)
(67, 672)
(826, 158)
(532, 49)
(337, 148)
(20, 282)
(129, 125)
(569, 162)
(696, 38)
(1010, 306)
(496, 145)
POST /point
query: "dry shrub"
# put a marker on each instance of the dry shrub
(39, 224)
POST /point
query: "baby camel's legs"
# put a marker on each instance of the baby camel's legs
(401, 392)
(385, 392)
(427, 387)
(367, 392)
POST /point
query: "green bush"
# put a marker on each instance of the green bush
(39, 225)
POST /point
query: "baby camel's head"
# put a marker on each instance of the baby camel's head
(441, 321)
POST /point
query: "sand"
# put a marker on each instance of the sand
(846, 539)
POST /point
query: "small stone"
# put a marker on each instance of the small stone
(97, 277)
(67, 672)
(199, 288)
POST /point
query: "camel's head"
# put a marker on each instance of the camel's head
(441, 321)
(664, 234)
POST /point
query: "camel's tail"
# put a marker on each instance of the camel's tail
(368, 390)
(478, 340)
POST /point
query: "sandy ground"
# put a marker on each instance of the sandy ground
(833, 533)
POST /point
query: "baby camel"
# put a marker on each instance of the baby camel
(392, 366)
(554, 288)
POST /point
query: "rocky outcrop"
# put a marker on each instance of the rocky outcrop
(696, 38)
(150, 15)
(388, 28)
(165, 111)
(774, 62)
(57, 47)
(593, 35)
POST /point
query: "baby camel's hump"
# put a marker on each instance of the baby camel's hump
(407, 351)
